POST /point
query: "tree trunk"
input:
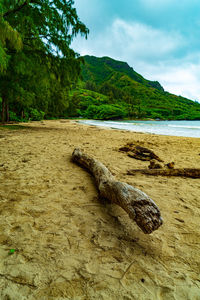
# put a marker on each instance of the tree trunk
(137, 204)
(3, 110)
(7, 112)
(185, 172)
(22, 114)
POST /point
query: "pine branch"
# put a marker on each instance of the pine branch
(12, 11)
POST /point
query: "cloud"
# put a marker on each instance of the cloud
(92, 13)
(182, 79)
(125, 39)
(144, 42)
(152, 52)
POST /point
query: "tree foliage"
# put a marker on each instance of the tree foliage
(8, 36)
(37, 66)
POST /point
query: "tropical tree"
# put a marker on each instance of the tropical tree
(37, 65)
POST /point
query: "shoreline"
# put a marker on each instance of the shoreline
(80, 121)
(71, 244)
(129, 130)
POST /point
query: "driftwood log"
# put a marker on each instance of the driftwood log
(185, 172)
(140, 207)
(138, 152)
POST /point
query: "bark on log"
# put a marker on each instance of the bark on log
(138, 152)
(185, 172)
(140, 207)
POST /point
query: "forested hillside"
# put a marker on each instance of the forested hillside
(112, 89)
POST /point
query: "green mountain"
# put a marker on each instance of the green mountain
(111, 89)
(100, 70)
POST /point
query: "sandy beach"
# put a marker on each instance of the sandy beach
(69, 244)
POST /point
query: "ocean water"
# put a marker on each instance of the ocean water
(174, 128)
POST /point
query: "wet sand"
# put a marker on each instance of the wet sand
(69, 243)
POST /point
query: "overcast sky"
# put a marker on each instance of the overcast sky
(160, 39)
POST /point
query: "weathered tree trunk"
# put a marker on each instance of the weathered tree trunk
(22, 114)
(137, 204)
(3, 111)
(7, 113)
(185, 172)
(138, 152)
